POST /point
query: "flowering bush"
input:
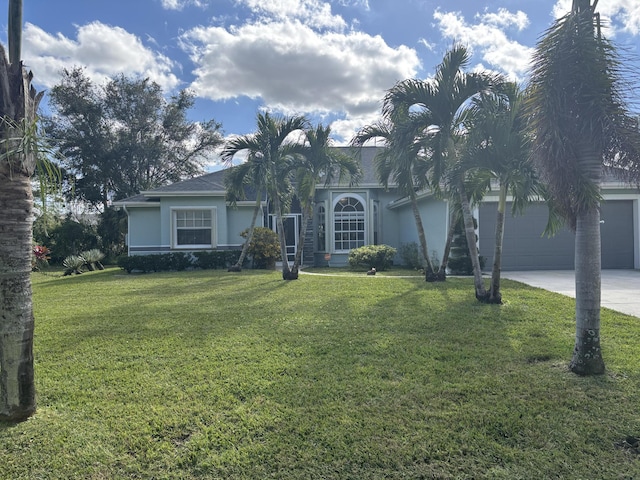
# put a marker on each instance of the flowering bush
(39, 257)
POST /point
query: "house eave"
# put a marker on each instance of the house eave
(196, 193)
(149, 204)
(401, 202)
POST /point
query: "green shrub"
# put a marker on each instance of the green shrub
(378, 256)
(180, 261)
(162, 262)
(216, 259)
(410, 255)
(459, 258)
(264, 247)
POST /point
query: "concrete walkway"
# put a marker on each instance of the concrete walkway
(620, 288)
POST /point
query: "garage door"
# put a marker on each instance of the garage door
(524, 247)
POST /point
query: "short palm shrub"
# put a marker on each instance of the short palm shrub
(73, 264)
(264, 247)
(92, 259)
(379, 257)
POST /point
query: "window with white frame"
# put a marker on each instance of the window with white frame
(193, 228)
(348, 223)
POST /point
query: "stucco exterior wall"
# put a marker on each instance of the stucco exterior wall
(434, 214)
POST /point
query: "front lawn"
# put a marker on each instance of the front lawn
(210, 374)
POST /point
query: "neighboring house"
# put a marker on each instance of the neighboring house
(193, 215)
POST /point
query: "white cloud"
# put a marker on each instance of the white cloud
(103, 50)
(180, 4)
(293, 68)
(314, 13)
(488, 38)
(504, 19)
(620, 15)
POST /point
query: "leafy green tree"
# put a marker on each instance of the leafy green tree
(272, 150)
(18, 162)
(580, 125)
(111, 231)
(498, 147)
(124, 137)
(71, 237)
(438, 107)
(318, 161)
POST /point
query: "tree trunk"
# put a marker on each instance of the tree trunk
(17, 389)
(587, 355)
(429, 273)
(307, 211)
(442, 271)
(470, 233)
(286, 271)
(495, 295)
(245, 247)
(18, 105)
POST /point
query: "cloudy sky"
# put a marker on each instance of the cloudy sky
(332, 60)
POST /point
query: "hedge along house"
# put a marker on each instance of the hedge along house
(193, 215)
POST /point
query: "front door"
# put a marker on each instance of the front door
(291, 228)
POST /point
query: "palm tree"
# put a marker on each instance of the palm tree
(437, 109)
(498, 148)
(319, 160)
(580, 124)
(398, 160)
(271, 151)
(18, 161)
(250, 174)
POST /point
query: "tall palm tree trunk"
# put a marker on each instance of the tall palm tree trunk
(307, 211)
(18, 105)
(587, 355)
(495, 296)
(470, 233)
(17, 390)
(429, 272)
(245, 248)
(453, 220)
(286, 271)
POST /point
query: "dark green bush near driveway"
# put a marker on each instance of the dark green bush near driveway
(379, 257)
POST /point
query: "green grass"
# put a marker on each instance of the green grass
(244, 376)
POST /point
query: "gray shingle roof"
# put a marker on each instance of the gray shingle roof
(213, 183)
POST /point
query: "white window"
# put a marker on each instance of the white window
(348, 224)
(193, 228)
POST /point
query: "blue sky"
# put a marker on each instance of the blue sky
(331, 60)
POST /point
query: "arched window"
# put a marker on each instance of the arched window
(348, 223)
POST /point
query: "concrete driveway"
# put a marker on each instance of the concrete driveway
(620, 288)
